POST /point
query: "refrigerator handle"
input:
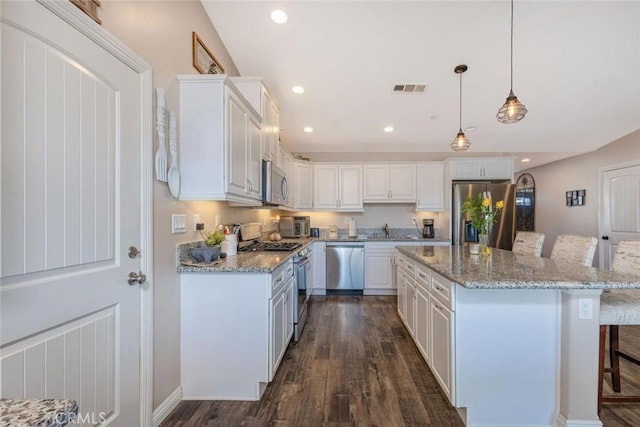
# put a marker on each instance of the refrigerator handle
(456, 215)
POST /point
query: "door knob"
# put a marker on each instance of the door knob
(605, 237)
(138, 278)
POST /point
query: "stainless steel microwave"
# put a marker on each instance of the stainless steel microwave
(275, 190)
(294, 226)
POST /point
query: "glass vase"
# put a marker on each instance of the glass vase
(483, 239)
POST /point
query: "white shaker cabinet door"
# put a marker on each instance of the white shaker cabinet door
(325, 187)
(402, 183)
(441, 322)
(238, 135)
(350, 187)
(430, 187)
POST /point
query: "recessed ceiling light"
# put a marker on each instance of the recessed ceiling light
(298, 89)
(279, 16)
(525, 160)
(470, 128)
(388, 129)
(308, 129)
(434, 117)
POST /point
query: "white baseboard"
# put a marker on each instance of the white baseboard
(164, 409)
(319, 291)
(564, 422)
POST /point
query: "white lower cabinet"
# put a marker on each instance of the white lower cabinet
(402, 295)
(422, 330)
(319, 261)
(441, 322)
(234, 331)
(379, 267)
(410, 308)
(429, 318)
(281, 323)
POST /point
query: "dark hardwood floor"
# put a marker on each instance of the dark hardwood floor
(355, 364)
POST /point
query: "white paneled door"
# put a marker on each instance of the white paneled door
(72, 201)
(620, 210)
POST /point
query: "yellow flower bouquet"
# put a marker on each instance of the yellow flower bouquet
(481, 213)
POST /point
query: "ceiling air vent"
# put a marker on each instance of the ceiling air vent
(409, 87)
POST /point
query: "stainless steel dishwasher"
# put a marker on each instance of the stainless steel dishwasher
(345, 268)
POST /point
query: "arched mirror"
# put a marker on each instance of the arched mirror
(525, 203)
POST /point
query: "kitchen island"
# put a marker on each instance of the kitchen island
(503, 333)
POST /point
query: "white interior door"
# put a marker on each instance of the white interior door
(620, 210)
(70, 323)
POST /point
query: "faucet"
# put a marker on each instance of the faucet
(385, 228)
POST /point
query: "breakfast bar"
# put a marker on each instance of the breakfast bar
(512, 339)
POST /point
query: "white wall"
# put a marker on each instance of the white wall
(581, 172)
(160, 32)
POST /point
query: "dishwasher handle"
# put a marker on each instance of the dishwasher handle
(345, 245)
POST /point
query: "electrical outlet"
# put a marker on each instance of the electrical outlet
(585, 308)
(414, 221)
(196, 221)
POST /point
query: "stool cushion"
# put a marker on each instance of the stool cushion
(620, 307)
(528, 243)
(574, 248)
(627, 257)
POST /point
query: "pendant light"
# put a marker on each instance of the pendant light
(460, 142)
(513, 110)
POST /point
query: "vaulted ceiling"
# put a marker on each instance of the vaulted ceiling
(576, 68)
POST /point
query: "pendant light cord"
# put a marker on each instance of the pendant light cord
(511, 45)
(460, 101)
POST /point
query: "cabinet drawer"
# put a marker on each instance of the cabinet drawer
(407, 266)
(443, 290)
(423, 277)
(277, 283)
(288, 270)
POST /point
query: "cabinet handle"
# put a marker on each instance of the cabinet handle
(422, 275)
(279, 280)
(438, 306)
(391, 192)
(439, 288)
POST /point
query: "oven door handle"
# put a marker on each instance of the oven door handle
(303, 261)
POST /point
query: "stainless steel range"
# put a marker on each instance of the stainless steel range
(250, 235)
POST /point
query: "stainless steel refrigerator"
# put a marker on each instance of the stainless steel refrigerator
(503, 230)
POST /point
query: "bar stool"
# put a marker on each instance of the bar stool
(528, 243)
(618, 307)
(574, 248)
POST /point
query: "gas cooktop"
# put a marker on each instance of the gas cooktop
(273, 246)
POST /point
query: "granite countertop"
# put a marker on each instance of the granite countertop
(37, 412)
(264, 262)
(506, 270)
(243, 262)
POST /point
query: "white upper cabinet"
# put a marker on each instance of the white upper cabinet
(481, 168)
(303, 185)
(430, 186)
(389, 183)
(338, 187)
(218, 136)
(255, 91)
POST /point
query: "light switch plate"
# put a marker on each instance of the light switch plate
(178, 223)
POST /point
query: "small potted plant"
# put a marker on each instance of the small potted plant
(211, 251)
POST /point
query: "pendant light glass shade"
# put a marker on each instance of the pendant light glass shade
(513, 110)
(460, 142)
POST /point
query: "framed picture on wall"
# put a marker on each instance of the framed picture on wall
(203, 59)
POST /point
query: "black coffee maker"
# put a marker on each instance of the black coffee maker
(428, 230)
